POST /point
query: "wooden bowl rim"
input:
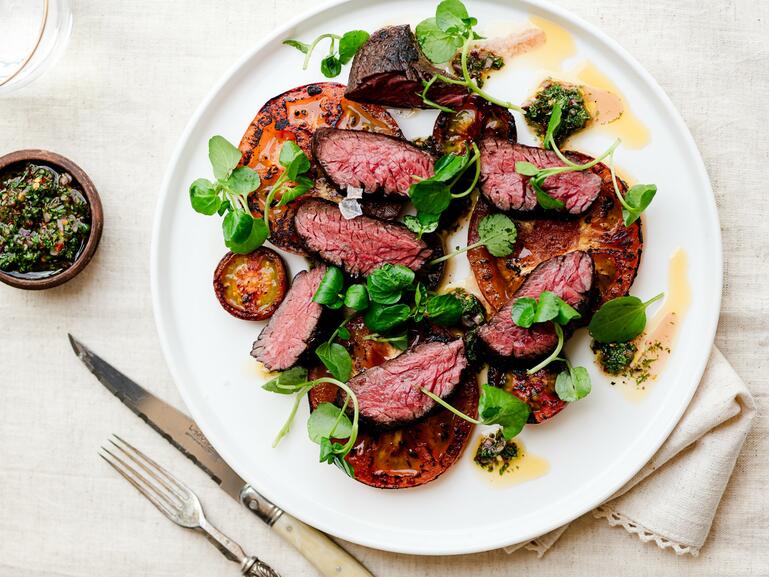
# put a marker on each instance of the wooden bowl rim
(85, 184)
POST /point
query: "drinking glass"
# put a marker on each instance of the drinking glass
(33, 35)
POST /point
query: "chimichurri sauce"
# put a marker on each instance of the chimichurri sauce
(44, 221)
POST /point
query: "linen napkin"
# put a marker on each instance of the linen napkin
(673, 499)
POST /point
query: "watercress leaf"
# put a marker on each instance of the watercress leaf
(290, 150)
(430, 196)
(331, 285)
(330, 66)
(292, 193)
(498, 233)
(470, 22)
(581, 381)
(256, 237)
(565, 388)
(224, 207)
(553, 123)
(386, 283)
(329, 422)
(327, 450)
(338, 460)
(639, 198)
(288, 382)
(566, 312)
(224, 156)
(450, 15)
(620, 320)
(544, 199)
(547, 307)
(243, 180)
(298, 165)
(356, 297)
(204, 197)
(237, 226)
(381, 318)
(449, 166)
(445, 310)
(343, 333)
(436, 44)
(523, 311)
(499, 407)
(423, 223)
(301, 46)
(350, 43)
(526, 168)
(336, 358)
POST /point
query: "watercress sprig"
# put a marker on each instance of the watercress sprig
(496, 407)
(497, 233)
(331, 423)
(331, 65)
(228, 196)
(293, 182)
(621, 319)
(573, 383)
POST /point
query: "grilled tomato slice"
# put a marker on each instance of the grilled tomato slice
(251, 286)
(406, 456)
(295, 115)
(615, 248)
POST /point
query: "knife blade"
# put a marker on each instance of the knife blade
(182, 432)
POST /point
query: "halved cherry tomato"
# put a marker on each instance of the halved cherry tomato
(251, 286)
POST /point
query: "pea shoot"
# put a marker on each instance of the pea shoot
(347, 45)
(497, 233)
(621, 319)
(228, 196)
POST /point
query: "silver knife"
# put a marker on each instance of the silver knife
(182, 432)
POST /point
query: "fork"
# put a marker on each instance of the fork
(176, 501)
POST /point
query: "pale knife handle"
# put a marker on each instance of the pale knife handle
(328, 557)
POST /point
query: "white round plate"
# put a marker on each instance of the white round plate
(593, 447)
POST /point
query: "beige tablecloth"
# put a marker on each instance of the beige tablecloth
(117, 104)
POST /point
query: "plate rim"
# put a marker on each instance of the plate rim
(713, 308)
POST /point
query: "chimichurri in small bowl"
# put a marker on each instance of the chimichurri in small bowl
(50, 219)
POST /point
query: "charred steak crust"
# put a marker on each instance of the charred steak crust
(292, 328)
(358, 245)
(390, 68)
(389, 394)
(510, 191)
(570, 277)
(377, 163)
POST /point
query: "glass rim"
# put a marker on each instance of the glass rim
(23, 65)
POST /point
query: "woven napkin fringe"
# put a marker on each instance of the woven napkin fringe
(673, 499)
(616, 519)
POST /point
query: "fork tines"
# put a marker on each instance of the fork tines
(160, 487)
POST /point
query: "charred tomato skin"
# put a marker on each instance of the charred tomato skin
(251, 286)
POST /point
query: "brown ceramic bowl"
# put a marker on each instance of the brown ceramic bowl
(82, 182)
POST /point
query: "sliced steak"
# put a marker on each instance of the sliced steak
(358, 245)
(371, 161)
(389, 69)
(390, 394)
(509, 190)
(291, 329)
(570, 277)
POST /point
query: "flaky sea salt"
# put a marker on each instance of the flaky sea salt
(353, 192)
(350, 208)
